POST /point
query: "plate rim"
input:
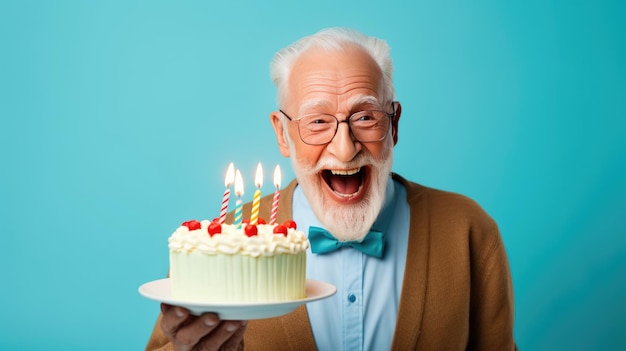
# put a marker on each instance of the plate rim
(324, 289)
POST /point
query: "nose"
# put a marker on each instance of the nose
(344, 147)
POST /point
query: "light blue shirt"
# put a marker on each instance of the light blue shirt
(362, 314)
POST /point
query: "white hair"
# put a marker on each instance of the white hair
(332, 39)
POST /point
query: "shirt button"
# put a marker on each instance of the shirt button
(351, 298)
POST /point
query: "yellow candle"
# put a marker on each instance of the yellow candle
(256, 201)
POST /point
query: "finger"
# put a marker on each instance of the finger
(234, 343)
(195, 329)
(228, 335)
(173, 318)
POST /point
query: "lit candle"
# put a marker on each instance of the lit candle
(238, 203)
(256, 200)
(277, 179)
(228, 181)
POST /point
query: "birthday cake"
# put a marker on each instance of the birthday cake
(227, 263)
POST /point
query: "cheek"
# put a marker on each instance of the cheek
(307, 155)
(386, 148)
(377, 150)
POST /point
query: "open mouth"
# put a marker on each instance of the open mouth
(344, 182)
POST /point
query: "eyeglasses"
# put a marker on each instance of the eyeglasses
(366, 126)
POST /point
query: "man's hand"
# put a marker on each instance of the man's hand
(206, 332)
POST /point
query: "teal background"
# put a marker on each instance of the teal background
(118, 119)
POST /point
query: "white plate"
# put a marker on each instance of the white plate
(159, 290)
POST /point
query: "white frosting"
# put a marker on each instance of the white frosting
(234, 241)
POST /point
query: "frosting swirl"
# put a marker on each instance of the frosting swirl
(234, 241)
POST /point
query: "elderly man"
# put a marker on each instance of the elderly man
(440, 278)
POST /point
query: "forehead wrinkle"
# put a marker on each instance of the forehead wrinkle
(339, 84)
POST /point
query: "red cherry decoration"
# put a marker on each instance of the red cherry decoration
(245, 221)
(290, 224)
(214, 228)
(251, 230)
(192, 225)
(280, 229)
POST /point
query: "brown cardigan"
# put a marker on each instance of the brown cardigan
(456, 295)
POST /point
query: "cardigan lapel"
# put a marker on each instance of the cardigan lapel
(413, 294)
(296, 325)
(297, 328)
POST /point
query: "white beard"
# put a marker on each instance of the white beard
(346, 222)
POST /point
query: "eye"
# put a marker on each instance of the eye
(366, 116)
(317, 119)
(365, 119)
(317, 123)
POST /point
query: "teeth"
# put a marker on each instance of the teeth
(347, 196)
(345, 171)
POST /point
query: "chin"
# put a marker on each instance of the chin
(346, 197)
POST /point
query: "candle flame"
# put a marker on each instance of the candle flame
(238, 183)
(230, 175)
(277, 177)
(258, 177)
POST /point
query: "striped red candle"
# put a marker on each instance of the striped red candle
(228, 181)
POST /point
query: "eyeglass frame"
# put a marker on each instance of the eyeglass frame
(391, 116)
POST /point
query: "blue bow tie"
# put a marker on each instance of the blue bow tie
(322, 242)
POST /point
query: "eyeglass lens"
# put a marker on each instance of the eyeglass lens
(366, 126)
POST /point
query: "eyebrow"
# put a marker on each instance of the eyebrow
(361, 100)
(312, 103)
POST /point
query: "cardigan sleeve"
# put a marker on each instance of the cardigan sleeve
(468, 260)
(457, 281)
(491, 302)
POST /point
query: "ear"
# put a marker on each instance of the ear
(279, 130)
(394, 122)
